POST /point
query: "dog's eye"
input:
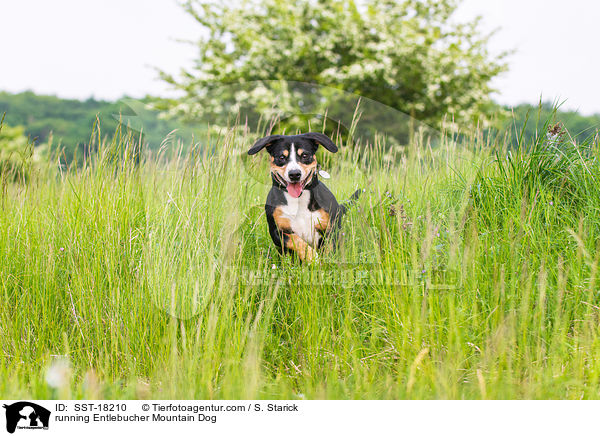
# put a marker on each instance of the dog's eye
(281, 157)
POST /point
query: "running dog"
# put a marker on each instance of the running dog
(301, 211)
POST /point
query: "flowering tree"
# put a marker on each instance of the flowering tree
(406, 54)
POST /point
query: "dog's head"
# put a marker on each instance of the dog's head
(293, 161)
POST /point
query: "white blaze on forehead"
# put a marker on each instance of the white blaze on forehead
(293, 165)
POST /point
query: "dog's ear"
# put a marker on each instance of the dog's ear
(322, 139)
(262, 143)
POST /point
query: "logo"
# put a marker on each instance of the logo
(26, 415)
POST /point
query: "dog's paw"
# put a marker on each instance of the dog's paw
(311, 255)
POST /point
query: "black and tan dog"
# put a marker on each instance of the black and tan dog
(301, 211)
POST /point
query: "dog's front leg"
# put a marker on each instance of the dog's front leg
(298, 245)
(280, 229)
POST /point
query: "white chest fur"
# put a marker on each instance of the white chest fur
(302, 220)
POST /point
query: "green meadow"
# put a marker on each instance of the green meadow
(466, 270)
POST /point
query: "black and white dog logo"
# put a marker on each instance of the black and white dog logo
(26, 415)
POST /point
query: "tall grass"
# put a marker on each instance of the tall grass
(464, 272)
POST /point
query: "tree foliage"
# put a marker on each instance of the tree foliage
(528, 122)
(70, 123)
(409, 55)
(17, 154)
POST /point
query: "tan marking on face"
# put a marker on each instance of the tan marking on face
(281, 222)
(277, 169)
(323, 221)
(300, 151)
(309, 167)
(304, 251)
(286, 153)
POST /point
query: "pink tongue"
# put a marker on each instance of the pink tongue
(294, 189)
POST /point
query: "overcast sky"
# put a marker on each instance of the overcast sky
(108, 48)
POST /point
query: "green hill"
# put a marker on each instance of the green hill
(70, 121)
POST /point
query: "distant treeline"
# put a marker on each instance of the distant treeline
(528, 119)
(70, 121)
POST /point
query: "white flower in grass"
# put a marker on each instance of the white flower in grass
(58, 373)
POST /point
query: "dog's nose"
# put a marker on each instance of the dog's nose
(294, 175)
